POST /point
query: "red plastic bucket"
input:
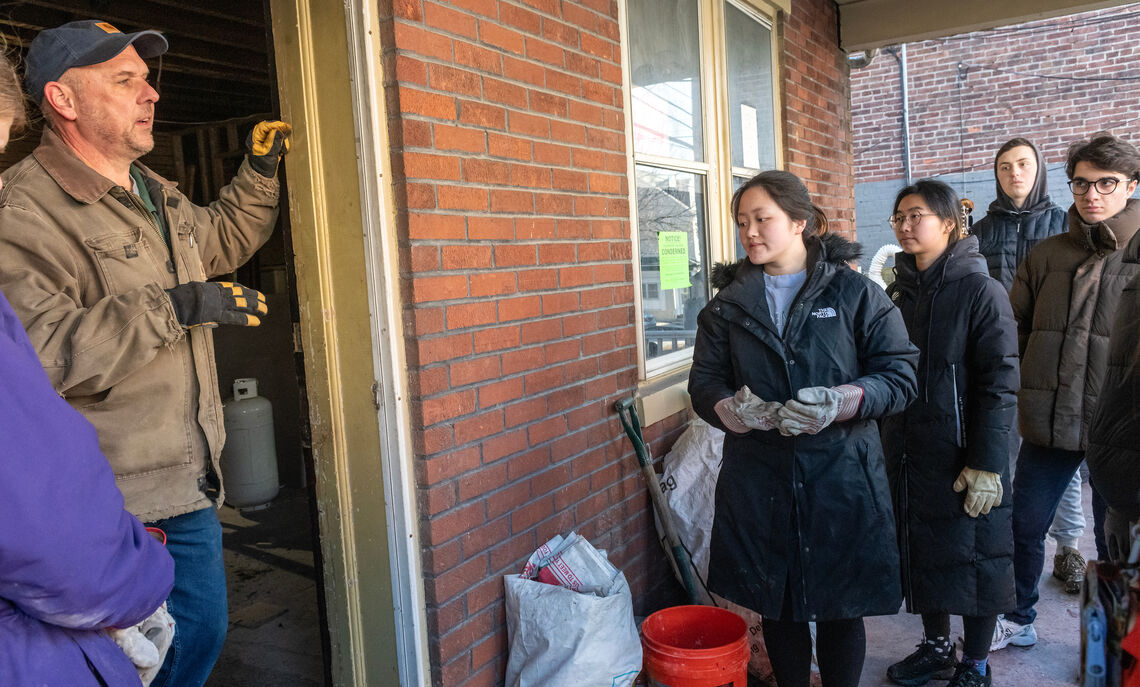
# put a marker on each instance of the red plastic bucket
(696, 646)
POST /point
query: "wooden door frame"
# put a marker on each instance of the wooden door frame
(327, 57)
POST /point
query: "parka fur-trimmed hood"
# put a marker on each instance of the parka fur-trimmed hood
(836, 250)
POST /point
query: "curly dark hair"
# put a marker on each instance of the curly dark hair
(1105, 151)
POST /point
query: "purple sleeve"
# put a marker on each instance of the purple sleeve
(70, 555)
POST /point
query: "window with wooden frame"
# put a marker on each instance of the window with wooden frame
(703, 104)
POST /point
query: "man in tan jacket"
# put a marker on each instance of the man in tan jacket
(1065, 296)
(106, 265)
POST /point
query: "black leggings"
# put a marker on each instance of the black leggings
(841, 646)
(978, 631)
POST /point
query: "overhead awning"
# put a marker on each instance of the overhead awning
(865, 24)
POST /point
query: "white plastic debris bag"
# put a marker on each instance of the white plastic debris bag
(688, 482)
(571, 562)
(564, 638)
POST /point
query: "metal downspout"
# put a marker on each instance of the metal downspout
(899, 54)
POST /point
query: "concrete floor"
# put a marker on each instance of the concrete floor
(1052, 662)
(274, 636)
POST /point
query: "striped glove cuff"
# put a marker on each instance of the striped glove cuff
(851, 399)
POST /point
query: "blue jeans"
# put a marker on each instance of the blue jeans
(1043, 474)
(198, 600)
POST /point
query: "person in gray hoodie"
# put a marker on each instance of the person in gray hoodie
(1020, 217)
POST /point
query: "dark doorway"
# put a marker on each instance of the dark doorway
(214, 83)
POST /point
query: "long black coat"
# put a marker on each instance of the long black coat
(962, 322)
(812, 513)
(1114, 454)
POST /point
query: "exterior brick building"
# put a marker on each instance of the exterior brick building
(509, 146)
(1052, 81)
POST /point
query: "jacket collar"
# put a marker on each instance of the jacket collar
(959, 260)
(747, 289)
(1111, 234)
(73, 175)
(1132, 250)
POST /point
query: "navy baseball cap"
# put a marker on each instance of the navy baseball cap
(79, 44)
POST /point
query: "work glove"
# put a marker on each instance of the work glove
(146, 644)
(267, 142)
(745, 411)
(212, 303)
(816, 407)
(983, 490)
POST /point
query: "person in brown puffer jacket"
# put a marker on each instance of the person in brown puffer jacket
(1064, 298)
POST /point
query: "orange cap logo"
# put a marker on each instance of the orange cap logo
(107, 27)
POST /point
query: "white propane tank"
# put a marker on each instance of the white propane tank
(249, 458)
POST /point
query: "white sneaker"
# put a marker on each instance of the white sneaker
(1007, 632)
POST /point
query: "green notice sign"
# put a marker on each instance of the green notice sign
(673, 252)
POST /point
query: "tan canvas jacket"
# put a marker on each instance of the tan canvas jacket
(84, 265)
(1065, 297)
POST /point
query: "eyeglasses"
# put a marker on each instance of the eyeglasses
(912, 218)
(1104, 185)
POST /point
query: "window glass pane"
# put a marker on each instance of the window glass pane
(674, 258)
(665, 75)
(750, 88)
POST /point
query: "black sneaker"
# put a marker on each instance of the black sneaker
(922, 665)
(968, 676)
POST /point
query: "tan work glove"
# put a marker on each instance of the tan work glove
(746, 411)
(984, 490)
(816, 407)
(267, 142)
(146, 644)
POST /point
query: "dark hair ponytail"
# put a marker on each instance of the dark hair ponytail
(787, 191)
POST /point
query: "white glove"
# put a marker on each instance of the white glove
(745, 411)
(146, 644)
(984, 490)
(816, 407)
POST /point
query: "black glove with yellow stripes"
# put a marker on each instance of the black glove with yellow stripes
(267, 142)
(212, 303)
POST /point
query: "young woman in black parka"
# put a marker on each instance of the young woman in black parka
(947, 453)
(796, 359)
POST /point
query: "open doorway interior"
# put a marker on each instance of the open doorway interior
(215, 82)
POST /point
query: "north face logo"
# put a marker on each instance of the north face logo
(823, 313)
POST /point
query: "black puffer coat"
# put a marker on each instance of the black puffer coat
(1114, 435)
(1006, 236)
(809, 512)
(962, 322)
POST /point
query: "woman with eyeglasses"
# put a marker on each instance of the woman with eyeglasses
(1065, 297)
(947, 454)
(796, 357)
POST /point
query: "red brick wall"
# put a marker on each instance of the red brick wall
(509, 163)
(817, 103)
(509, 146)
(960, 117)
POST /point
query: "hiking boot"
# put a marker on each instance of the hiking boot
(922, 665)
(1007, 632)
(1069, 567)
(968, 676)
